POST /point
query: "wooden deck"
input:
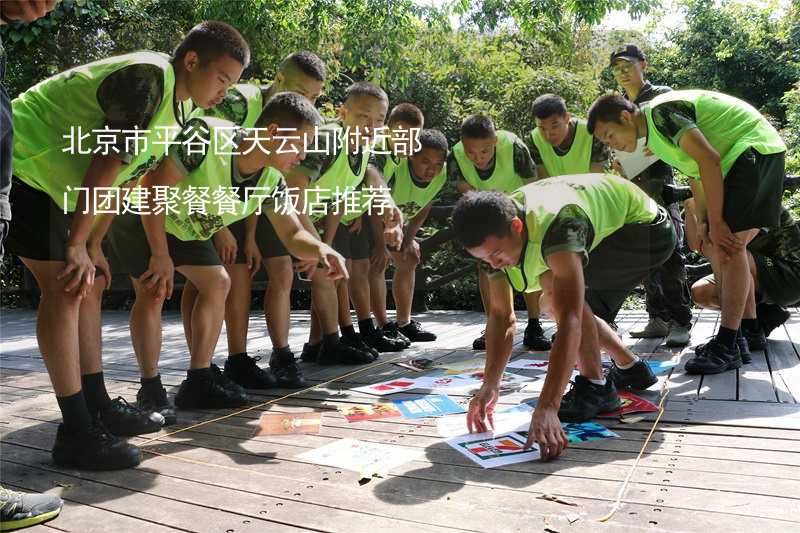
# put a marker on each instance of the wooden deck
(725, 455)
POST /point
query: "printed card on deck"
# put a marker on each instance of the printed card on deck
(288, 423)
(357, 413)
(390, 387)
(430, 405)
(630, 404)
(660, 367)
(443, 382)
(366, 458)
(511, 419)
(491, 450)
(587, 431)
(529, 364)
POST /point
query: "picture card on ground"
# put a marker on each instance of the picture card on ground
(430, 405)
(515, 418)
(587, 431)
(529, 364)
(288, 423)
(630, 404)
(491, 450)
(356, 413)
(660, 367)
(389, 387)
(457, 367)
(447, 382)
(419, 364)
(366, 458)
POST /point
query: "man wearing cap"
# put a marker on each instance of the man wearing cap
(668, 298)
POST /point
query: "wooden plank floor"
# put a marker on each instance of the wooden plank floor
(725, 456)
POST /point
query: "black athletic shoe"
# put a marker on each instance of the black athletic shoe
(286, 371)
(713, 358)
(344, 354)
(744, 349)
(310, 352)
(637, 377)
(377, 340)
(357, 341)
(94, 449)
(391, 330)
(413, 330)
(126, 420)
(534, 338)
(219, 377)
(585, 400)
(155, 399)
(756, 340)
(19, 509)
(770, 316)
(202, 393)
(243, 370)
(480, 342)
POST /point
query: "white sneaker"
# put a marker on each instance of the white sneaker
(678, 335)
(655, 327)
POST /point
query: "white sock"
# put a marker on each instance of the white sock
(629, 365)
(601, 382)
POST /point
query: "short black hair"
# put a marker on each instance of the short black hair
(477, 126)
(479, 215)
(306, 62)
(289, 110)
(212, 39)
(607, 108)
(433, 139)
(408, 113)
(548, 105)
(365, 88)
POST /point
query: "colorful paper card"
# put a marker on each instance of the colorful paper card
(587, 431)
(491, 450)
(443, 382)
(515, 418)
(630, 404)
(389, 387)
(529, 364)
(357, 413)
(430, 405)
(458, 367)
(366, 458)
(661, 367)
(288, 423)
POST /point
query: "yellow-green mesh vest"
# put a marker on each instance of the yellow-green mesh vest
(339, 178)
(216, 171)
(730, 125)
(409, 197)
(46, 112)
(577, 160)
(609, 201)
(251, 94)
(390, 164)
(504, 178)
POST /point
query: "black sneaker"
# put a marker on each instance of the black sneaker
(344, 354)
(770, 316)
(391, 330)
(126, 420)
(94, 449)
(203, 393)
(713, 358)
(756, 340)
(357, 341)
(744, 349)
(219, 377)
(480, 342)
(287, 373)
(155, 399)
(310, 352)
(19, 509)
(637, 377)
(377, 340)
(415, 333)
(243, 370)
(534, 338)
(585, 400)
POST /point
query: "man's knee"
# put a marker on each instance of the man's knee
(280, 274)
(704, 294)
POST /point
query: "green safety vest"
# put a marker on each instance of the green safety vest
(46, 112)
(409, 197)
(577, 160)
(730, 125)
(216, 173)
(339, 178)
(609, 201)
(251, 94)
(504, 178)
(390, 165)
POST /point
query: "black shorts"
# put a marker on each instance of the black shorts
(778, 280)
(41, 229)
(267, 240)
(623, 260)
(131, 251)
(354, 245)
(754, 191)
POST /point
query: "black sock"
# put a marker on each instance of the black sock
(750, 325)
(74, 412)
(727, 337)
(153, 383)
(330, 341)
(283, 351)
(366, 326)
(237, 355)
(94, 391)
(349, 331)
(199, 374)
